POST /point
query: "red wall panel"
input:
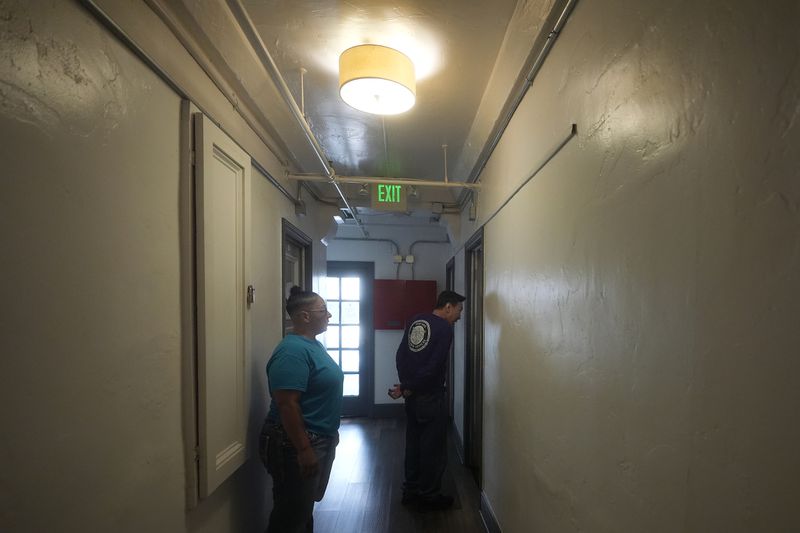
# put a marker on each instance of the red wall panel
(388, 310)
(397, 300)
(420, 297)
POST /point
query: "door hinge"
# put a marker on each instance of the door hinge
(251, 295)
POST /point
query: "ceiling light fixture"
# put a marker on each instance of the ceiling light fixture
(377, 79)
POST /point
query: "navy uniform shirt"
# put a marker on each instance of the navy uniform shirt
(424, 352)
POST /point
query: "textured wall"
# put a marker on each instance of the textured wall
(642, 291)
(96, 225)
(90, 373)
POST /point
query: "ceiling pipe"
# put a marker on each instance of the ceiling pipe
(368, 239)
(303, 91)
(393, 243)
(444, 149)
(391, 181)
(533, 64)
(253, 37)
(411, 250)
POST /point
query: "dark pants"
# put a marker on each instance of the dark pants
(293, 496)
(426, 443)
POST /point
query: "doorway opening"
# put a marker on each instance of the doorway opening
(450, 285)
(473, 367)
(296, 247)
(350, 338)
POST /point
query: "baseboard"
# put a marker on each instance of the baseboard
(388, 410)
(487, 514)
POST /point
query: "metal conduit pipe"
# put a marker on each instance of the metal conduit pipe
(411, 250)
(367, 239)
(391, 181)
(535, 60)
(253, 37)
(572, 133)
(317, 198)
(370, 239)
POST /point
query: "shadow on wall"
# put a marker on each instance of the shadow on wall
(514, 364)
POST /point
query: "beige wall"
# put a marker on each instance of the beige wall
(96, 227)
(91, 410)
(641, 339)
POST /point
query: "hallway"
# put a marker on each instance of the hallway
(613, 185)
(364, 491)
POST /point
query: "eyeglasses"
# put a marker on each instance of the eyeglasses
(323, 310)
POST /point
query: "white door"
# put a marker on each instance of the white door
(222, 190)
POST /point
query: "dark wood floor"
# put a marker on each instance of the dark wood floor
(365, 487)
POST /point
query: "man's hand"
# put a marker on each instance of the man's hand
(307, 459)
(395, 392)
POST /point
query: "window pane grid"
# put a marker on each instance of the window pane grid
(343, 338)
(334, 308)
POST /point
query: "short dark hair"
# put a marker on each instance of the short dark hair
(298, 299)
(448, 297)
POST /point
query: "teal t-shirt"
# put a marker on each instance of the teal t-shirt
(303, 365)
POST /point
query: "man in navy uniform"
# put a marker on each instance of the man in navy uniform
(422, 360)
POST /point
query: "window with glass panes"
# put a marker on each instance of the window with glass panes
(343, 337)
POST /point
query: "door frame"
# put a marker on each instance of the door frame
(292, 234)
(450, 285)
(366, 270)
(473, 357)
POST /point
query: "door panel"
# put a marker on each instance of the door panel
(223, 318)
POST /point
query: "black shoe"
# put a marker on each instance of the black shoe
(409, 498)
(434, 503)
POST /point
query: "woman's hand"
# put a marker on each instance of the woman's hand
(292, 420)
(307, 459)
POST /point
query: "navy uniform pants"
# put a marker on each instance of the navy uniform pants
(426, 443)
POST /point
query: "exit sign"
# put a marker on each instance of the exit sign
(389, 197)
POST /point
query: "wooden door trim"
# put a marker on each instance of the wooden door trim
(450, 284)
(290, 232)
(473, 369)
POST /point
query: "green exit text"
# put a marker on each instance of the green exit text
(389, 193)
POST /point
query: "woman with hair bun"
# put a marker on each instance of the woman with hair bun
(299, 437)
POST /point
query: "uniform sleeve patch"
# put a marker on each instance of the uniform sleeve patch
(419, 335)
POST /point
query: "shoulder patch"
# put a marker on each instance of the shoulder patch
(419, 335)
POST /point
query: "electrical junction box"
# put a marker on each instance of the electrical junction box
(397, 258)
(396, 301)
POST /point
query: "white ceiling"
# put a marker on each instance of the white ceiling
(454, 45)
